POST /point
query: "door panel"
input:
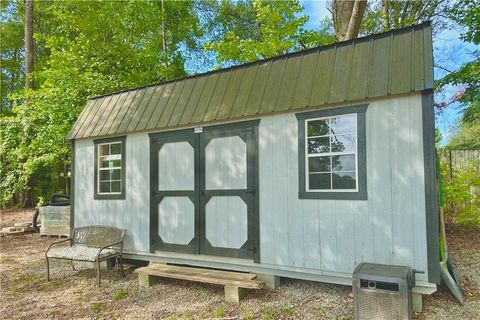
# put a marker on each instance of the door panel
(174, 220)
(204, 197)
(227, 191)
(176, 163)
(226, 163)
(226, 221)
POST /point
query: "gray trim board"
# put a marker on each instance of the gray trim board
(431, 209)
(288, 272)
(72, 187)
(361, 194)
(120, 196)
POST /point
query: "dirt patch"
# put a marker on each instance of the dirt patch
(10, 216)
(25, 293)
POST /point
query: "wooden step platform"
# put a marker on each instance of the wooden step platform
(236, 284)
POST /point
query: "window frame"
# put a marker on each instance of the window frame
(360, 193)
(110, 195)
(330, 154)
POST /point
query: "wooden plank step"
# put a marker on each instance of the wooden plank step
(204, 271)
(217, 277)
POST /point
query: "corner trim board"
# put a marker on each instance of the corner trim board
(430, 169)
(72, 187)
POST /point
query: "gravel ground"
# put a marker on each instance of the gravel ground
(25, 293)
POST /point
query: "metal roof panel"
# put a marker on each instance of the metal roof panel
(394, 62)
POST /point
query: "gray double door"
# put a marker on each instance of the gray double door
(204, 191)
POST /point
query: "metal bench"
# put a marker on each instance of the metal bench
(90, 244)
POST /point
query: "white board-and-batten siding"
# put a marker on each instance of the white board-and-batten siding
(132, 213)
(330, 236)
(335, 235)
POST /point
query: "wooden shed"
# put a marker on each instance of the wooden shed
(302, 165)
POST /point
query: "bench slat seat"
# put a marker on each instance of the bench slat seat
(91, 244)
(80, 253)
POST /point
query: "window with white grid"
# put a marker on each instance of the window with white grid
(109, 166)
(331, 154)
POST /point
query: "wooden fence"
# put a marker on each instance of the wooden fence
(453, 163)
(457, 160)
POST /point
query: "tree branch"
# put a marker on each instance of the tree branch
(442, 68)
(302, 44)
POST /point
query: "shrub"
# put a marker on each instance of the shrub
(462, 195)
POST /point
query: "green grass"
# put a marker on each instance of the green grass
(288, 311)
(187, 314)
(220, 311)
(267, 313)
(7, 260)
(96, 307)
(321, 311)
(120, 294)
(248, 314)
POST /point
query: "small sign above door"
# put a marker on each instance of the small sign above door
(198, 130)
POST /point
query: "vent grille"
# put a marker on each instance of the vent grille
(380, 294)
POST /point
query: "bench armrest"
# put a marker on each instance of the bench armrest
(108, 246)
(57, 242)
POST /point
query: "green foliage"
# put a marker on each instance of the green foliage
(467, 136)
(467, 13)
(85, 48)
(250, 30)
(438, 138)
(462, 194)
(11, 52)
(120, 294)
(400, 14)
(467, 77)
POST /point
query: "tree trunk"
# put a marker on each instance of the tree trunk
(164, 40)
(29, 44)
(347, 16)
(385, 15)
(27, 200)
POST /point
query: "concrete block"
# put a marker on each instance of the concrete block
(146, 280)
(235, 294)
(271, 281)
(417, 302)
(104, 265)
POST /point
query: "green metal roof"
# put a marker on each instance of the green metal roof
(394, 62)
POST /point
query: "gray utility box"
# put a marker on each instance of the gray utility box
(382, 292)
